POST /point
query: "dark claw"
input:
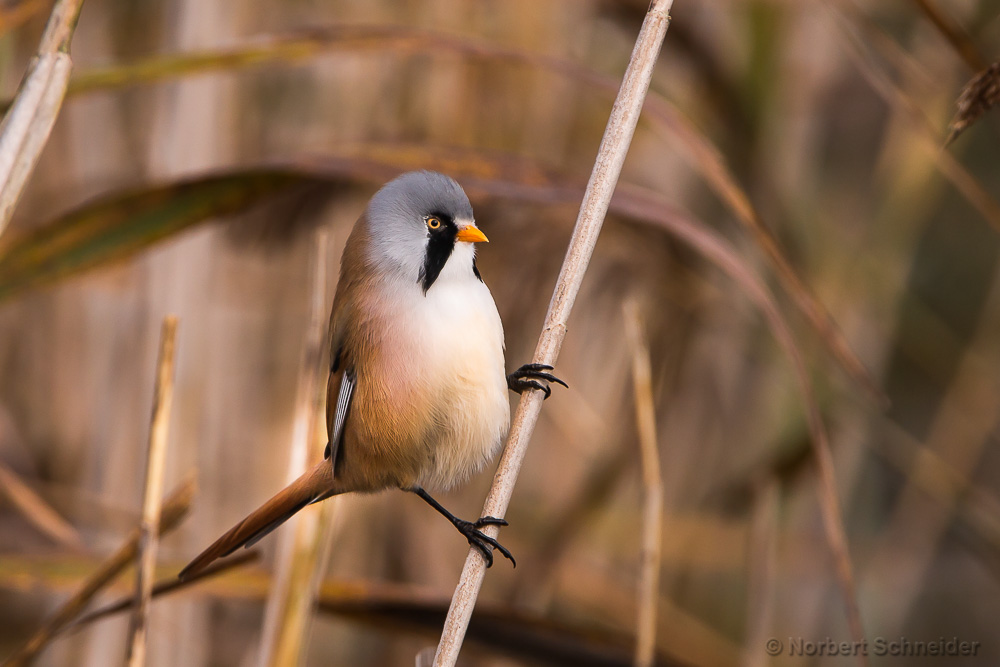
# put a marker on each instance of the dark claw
(527, 376)
(482, 541)
(536, 371)
(484, 550)
(523, 384)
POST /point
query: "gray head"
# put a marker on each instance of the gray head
(421, 224)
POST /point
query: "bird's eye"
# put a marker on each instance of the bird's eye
(433, 222)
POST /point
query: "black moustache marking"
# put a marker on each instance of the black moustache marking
(440, 244)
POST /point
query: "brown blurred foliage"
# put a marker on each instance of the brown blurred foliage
(202, 143)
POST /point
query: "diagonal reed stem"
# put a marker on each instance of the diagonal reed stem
(156, 458)
(603, 179)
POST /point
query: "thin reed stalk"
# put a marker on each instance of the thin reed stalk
(299, 566)
(156, 458)
(652, 487)
(26, 127)
(597, 198)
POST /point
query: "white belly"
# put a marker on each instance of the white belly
(460, 329)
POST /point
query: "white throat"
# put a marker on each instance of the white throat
(459, 265)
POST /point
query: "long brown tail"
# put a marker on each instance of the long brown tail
(315, 484)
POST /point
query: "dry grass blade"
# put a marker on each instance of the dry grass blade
(115, 227)
(652, 517)
(175, 508)
(299, 46)
(298, 566)
(954, 33)
(167, 586)
(980, 95)
(28, 122)
(156, 457)
(34, 508)
(597, 197)
(391, 608)
(705, 158)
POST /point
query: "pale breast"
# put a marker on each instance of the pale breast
(431, 407)
(462, 329)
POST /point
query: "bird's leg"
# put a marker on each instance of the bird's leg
(470, 529)
(528, 376)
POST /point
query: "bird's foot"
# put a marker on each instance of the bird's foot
(528, 376)
(471, 529)
(482, 541)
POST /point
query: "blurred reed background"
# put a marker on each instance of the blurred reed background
(203, 142)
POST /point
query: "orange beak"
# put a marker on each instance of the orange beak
(471, 234)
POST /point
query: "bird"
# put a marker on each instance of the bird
(417, 390)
